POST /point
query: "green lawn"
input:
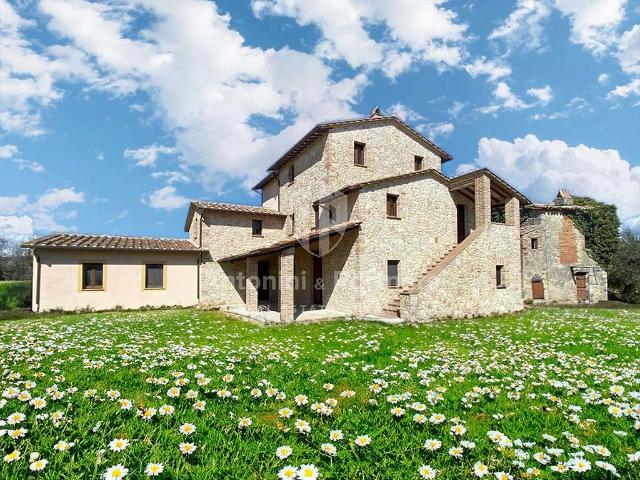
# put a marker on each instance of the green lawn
(541, 382)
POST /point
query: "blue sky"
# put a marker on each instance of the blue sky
(114, 114)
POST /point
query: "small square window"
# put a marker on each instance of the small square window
(392, 206)
(534, 244)
(418, 163)
(92, 276)
(358, 153)
(256, 228)
(393, 276)
(500, 276)
(154, 276)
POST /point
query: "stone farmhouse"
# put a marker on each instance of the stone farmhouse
(556, 267)
(357, 219)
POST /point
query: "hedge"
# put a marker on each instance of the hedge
(15, 295)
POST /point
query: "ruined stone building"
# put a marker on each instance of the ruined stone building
(556, 267)
(357, 219)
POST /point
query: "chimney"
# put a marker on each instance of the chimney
(563, 198)
(375, 112)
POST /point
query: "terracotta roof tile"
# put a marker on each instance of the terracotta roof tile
(110, 242)
(234, 207)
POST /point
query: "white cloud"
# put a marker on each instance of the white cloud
(603, 78)
(57, 197)
(593, 23)
(543, 94)
(28, 75)
(10, 153)
(630, 89)
(172, 176)
(166, 198)
(16, 227)
(505, 100)
(21, 218)
(403, 112)
(210, 99)
(491, 68)
(435, 130)
(414, 32)
(523, 29)
(629, 51)
(10, 205)
(456, 109)
(541, 167)
(147, 156)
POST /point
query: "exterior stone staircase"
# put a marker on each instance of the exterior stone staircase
(392, 309)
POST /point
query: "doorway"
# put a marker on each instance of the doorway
(317, 280)
(264, 280)
(581, 287)
(462, 227)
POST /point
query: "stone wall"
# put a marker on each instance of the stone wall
(225, 234)
(561, 252)
(426, 228)
(467, 286)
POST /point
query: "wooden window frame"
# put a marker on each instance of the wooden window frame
(292, 226)
(291, 173)
(316, 216)
(535, 244)
(397, 277)
(256, 222)
(418, 163)
(144, 274)
(500, 283)
(394, 201)
(359, 147)
(81, 287)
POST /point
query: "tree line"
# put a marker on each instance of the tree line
(15, 262)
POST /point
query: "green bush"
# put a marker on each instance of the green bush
(15, 295)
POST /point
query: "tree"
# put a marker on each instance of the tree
(601, 229)
(625, 275)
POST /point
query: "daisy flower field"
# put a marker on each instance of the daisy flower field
(192, 394)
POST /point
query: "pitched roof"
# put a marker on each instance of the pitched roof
(322, 128)
(228, 207)
(460, 180)
(282, 244)
(109, 242)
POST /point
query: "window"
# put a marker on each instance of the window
(500, 276)
(153, 276)
(293, 224)
(332, 214)
(358, 153)
(291, 173)
(316, 215)
(92, 276)
(392, 206)
(393, 279)
(417, 163)
(534, 244)
(256, 228)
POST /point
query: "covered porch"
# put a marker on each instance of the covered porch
(295, 279)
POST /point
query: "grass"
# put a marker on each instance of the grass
(15, 294)
(544, 371)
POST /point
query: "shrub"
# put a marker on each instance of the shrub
(15, 295)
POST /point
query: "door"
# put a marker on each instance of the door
(263, 277)
(537, 289)
(462, 227)
(317, 280)
(581, 286)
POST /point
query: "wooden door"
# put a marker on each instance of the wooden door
(537, 290)
(581, 286)
(317, 280)
(461, 223)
